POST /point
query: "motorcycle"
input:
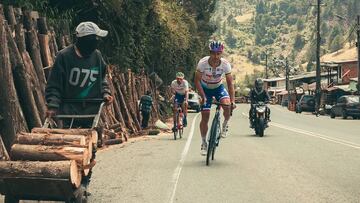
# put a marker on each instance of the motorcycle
(260, 118)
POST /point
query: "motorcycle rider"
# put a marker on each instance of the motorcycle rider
(258, 94)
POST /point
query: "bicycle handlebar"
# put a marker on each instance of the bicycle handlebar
(218, 104)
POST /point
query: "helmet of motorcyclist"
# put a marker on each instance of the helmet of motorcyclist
(259, 85)
(216, 46)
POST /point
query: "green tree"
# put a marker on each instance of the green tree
(230, 40)
(299, 42)
(261, 7)
(336, 43)
(300, 24)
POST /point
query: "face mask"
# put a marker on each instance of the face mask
(87, 45)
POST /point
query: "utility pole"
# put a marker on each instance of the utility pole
(318, 39)
(287, 75)
(358, 48)
(266, 65)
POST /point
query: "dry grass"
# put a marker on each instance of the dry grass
(242, 66)
(246, 18)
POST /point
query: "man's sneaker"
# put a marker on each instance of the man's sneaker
(224, 132)
(184, 122)
(203, 150)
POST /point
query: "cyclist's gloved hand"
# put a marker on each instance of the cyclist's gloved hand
(51, 112)
(233, 106)
(203, 100)
(108, 99)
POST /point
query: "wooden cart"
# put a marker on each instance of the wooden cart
(57, 164)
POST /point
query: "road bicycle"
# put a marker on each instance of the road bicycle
(215, 132)
(179, 128)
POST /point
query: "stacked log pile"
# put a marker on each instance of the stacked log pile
(61, 154)
(27, 53)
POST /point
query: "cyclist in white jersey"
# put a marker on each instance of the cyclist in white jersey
(180, 87)
(208, 80)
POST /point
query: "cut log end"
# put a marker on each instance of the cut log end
(94, 136)
(75, 175)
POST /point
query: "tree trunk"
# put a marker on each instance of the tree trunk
(42, 26)
(20, 38)
(53, 45)
(33, 46)
(4, 156)
(29, 23)
(37, 92)
(117, 110)
(113, 141)
(50, 139)
(23, 86)
(45, 50)
(87, 132)
(11, 115)
(61, 42)
(10, 16)
(50, 153)
(50, 169)
(110, 134)
(125, 111)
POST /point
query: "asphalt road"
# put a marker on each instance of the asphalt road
(301, 158)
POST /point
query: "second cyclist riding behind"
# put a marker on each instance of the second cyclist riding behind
(180, 87)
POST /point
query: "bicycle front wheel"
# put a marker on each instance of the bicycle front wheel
(212, 140)
(181, 131)
(217, 138)
(175, 134)
(176, 130)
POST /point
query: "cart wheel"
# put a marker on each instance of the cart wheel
(11, 199)
(80, 196)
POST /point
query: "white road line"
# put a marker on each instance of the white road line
(176, 174)
(316, 135)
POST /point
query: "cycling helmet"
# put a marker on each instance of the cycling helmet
(216, 46)
(180, 75)
(259, 84)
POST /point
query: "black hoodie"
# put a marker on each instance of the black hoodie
(75, 78)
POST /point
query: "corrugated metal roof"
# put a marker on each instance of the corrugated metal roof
(273, 79)
(341, 56)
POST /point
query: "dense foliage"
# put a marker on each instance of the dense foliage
(159, 35)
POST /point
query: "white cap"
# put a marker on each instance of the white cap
(89, 28)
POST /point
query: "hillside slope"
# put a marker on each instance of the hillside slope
(282, 29)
